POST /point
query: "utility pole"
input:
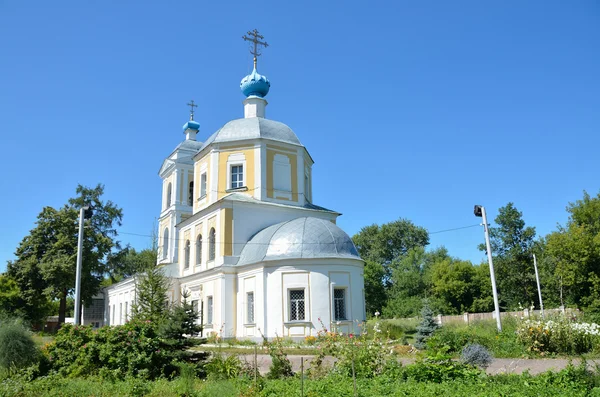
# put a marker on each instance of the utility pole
(84, 213)
(537, 278)
(480, 212)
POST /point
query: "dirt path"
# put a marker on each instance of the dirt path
(498, 366)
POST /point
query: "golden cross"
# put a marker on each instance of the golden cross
(192, 106)
(255, 38)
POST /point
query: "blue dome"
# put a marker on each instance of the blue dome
(255, 84)
(193, 125)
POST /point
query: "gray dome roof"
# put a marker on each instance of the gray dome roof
(251, 128)
(299, 238)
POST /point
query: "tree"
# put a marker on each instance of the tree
(46, 259)
(572, 255)
(151, 303)
(9, 296)
(426, 328)
(512, 248)
(407, 285)
(129, 262)
(383, 247)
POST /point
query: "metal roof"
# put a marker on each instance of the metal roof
(252, 128)
(305, 237)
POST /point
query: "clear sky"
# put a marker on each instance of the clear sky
(410, 109)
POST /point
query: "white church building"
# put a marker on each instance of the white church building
(239, 232)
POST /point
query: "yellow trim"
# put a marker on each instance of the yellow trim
(227, 231)
(281, 148)
(197, 175)
(223, 171)
(294, 166)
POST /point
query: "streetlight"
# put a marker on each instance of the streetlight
(480, 212)
(84, 213)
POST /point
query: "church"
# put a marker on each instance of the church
(238, 231)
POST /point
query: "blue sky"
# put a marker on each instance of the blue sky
(410, 109)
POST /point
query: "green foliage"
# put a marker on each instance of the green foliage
(439, 368)
(426, 328)
(454, 337)
(128, 262)
(151, 302)
(382, 247)
(281, 367)
(180, 325)
(17, 347)
(559, 335)
(9, 295)
(224, 367)
(46, 258)
(136, 349)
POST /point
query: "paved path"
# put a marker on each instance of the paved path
(498, 366)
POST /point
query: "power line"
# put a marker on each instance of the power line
(456, 228)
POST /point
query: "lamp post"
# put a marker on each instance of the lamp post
(480, 212)
(537, 279)
(84, 213)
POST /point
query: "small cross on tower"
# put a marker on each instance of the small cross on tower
(192, 106)
(255, 38)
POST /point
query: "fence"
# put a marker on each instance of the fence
(525, 313)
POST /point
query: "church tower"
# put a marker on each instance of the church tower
(177, 174)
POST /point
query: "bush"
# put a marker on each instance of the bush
(476, 355)
(17, 347)
(559, 336)
(222, 368)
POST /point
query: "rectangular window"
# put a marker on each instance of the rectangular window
(113, 315)
(203, 185)
(237, 176)
(296, 304)
(209, 310)
(339, 304)
(250, 307)
(120, 313)
(126, 313)
(195, 306)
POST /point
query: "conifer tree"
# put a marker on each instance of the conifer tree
(426, 328)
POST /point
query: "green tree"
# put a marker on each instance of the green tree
(9, 296)
(151, 302)
(129, 262)
(383, 247)
(572, 254)
(512, 248)
(46, 259)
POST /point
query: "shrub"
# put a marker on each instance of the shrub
(223, 367)
(426, 328)
(17, 347)
(281, 367)
(558, 336)
(476, 355)
(440, 368)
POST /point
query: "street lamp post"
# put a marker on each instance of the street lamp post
(84, 213)
(480, 212)
(537, 279)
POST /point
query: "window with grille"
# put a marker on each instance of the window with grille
(199, 250)
(250, 307)
(187, 254)
(203, 185)
(191, 193)
(339, 304)
(211, 245)
(195, 305)
(237, 176)
(297, 306)
(209, 310)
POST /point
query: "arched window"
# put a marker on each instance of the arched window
(199, 250)
(169, 189)
(191, 193)
(211, 244)
(165, 243)
(187, 255)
